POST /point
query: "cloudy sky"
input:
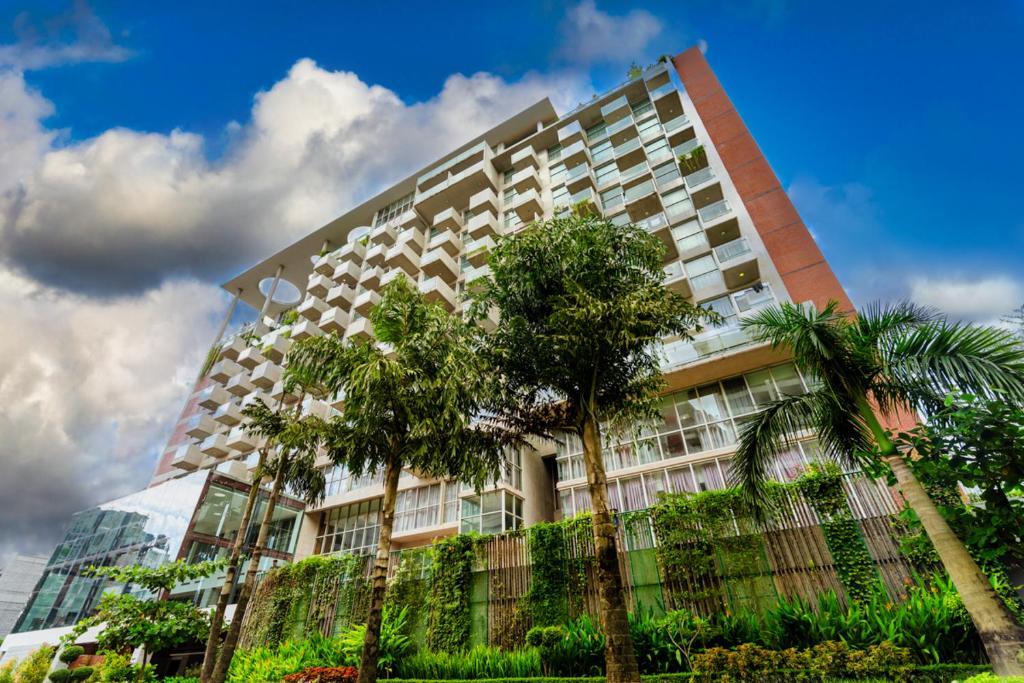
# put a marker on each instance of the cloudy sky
(146, 156)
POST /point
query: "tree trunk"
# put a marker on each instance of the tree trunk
(1002, 637)
(227, 650)
(217, 618)
(379, 585)
(141, 676)
(620, 659)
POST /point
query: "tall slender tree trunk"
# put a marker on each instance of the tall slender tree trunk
(227, 650)
(217, 618)
(379, 582)
(620, 659)
(1002, 637)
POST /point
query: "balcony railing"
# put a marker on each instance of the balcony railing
(626, 147)
(713, 211)
(679, 353)
(676, 123)
(753, 298)
(654, 223)
(731, 250)
(663, 90)
(638, 191)
(700, 177)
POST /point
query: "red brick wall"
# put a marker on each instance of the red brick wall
(805, 273)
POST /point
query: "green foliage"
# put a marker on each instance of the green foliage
(82, 673)
(822, 487)
(408, 590)
(694, 160)
(548, 599)
(989, 677)
(179, 679)
(451, 571)
(7, 671)
(71, 653)
(394, 644)
(33, 669)
(824, 661)
(130, 622)
(212, 356)
(289, 317)
(60, 676)
(156, 579)
(274, 663)
(477, 662)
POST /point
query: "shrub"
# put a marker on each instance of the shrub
(478, 662)
(117, 668)
(394, 644)
(7, 672)
(71, 653)
(82, 673)
(60, 676)
(827, 660)
(992, 678)
(33, 669)
(324, 674)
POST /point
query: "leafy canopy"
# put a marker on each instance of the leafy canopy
(899, 357)
(414, 397)
(583, 313)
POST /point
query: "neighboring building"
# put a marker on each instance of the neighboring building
(195, 517)
(17, 580)
(734, 243)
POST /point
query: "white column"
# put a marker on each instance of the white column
(271, 291)
(227, 317)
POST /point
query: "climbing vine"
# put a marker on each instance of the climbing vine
(822, 487)
(451, 574)
(408, 588)
(548, 599)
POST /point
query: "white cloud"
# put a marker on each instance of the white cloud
(982, 299)
(90, 391)
(591, 36)
(123, 210)
(44, 44)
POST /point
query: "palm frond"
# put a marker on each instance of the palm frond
(817, 338)
(877, 320)
(941, 357)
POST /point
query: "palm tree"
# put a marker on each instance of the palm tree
(896, 359)
(414, 404)
(289, 460)
(582, 313)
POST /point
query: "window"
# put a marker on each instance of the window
(418, 508)
(609, 173)
(723, 307)
(597, 132)
(554, 153)
(557, 172)
(641, 107)
(611, 198)
(666, 173)
(703, 272)
(560, 196)
(690, 236)
(677, 204)
(340, 480)
(513, 471)
(393, 210)
(601, 152)
(349, 529)
(657, 150)
(649, 128)
(492, 512)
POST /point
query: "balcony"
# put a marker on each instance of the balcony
(459, 188)
(490, 320)
(275, 348)
(681, 144)
(571, 133)
(250, 358)
(622, 130)
(305, 329)
(483, 224)
(187, 458)
(212, 396)
(708, 284)
(474, 274)
(438, 263)
(699, 178)
(365, 302)
(656, 75)
(478, 250)
(318, 285)
(224, 370)
(667, 101)
(352, 252)
(312, 308)
(233, 347)
(341, 296)
(635, 174)
(347, 273)
(403, 256)
(383, 234)
(447, 241)
(680, 352)
(658, 226)
(616, 109)
(449, 220)
(753, 298)
(436, 290)
(375, 255)
(228, 414)
(326, 264)
(359, 330)
(395, 274)
(240, 385)
(277, 393)
(370, 278)
(525, 180)
(333, 320)
(712, 212)
(675, 279)
(575, 154)
(579, 177)
(441, 173)
(642, 201)
(200, 426)
(528, 206)
(738, 263)
(215, 446)
(524, 158)
(240, 440)
(485, 200)
(629, 154)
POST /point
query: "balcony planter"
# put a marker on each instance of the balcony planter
(694, 160)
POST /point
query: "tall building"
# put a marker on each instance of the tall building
(17, 580)
(733, 240)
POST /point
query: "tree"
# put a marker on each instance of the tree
(897, 358)
(149, 622)
(413, 404)
(582, 314)
(289, 459)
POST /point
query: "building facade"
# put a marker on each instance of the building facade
(733, 240)
(17, 581)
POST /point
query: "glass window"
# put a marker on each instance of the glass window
(611, 197)
(681, 480)
(738, 396)
(666, 173)
(723, 307)
(677, 204)
(602, 151)
(554, 153)
(690, 236)
(393, 210)
(607, 173)
(657, 150)
(597, 132)
(350, 528)
(672, 445)
(787, 380)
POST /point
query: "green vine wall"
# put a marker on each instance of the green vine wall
(548, 599)
(451, 575)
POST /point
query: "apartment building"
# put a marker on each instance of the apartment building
(733, 243)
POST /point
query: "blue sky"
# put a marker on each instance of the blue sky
(149, 152)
